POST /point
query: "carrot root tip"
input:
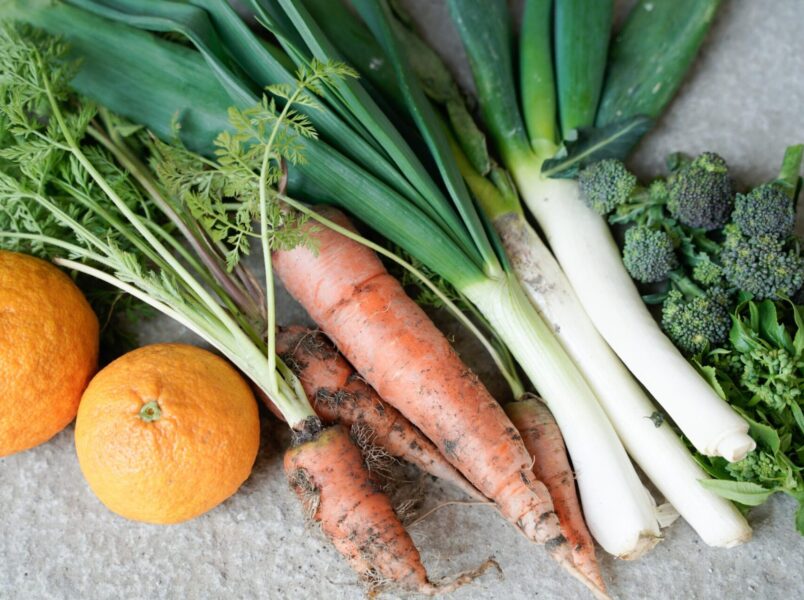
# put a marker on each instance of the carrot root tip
(560, 552)
(451, 584)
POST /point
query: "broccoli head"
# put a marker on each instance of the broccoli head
(700, 192)
(657, 191)
(767, 209)
(606, 184)
(765, 265)
(696, 321)
(708, 273)
(648, 254)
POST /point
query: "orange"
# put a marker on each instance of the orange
(48, 350)
(166, 433)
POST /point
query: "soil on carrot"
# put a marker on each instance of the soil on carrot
(327, 473)
(341, 396)
(308, 431)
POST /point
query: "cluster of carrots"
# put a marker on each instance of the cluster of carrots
(438, 416)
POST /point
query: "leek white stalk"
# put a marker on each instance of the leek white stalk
(619, 511)
(585, 249)
(655, 448)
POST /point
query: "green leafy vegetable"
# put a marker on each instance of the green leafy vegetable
(762, 373)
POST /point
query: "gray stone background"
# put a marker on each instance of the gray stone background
(745, 100)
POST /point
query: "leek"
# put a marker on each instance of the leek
(579, 238)
(647, 437)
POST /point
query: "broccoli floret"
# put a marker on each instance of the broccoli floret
(606, 184)
(708, 273)
(648, 254)
(765, 265)
(700, 193)
(696, 319)
(657, 191)
(767, 209)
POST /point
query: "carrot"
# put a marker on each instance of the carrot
(543, 440)
(392, 343)
(340, 395)
(328, 475)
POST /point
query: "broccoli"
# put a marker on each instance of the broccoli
(648, 254)
(693, 318)
(700, 192)
(767, 209)
(606, 184)
(708, 273)
(764, 265)
(657, 191)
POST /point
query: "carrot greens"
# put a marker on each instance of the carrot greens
(67, 198)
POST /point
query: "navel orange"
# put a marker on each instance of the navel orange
(48, 350)
(166, 433)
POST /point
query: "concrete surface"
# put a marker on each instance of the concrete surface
(744, 100)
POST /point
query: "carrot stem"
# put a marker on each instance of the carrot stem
(204, 252)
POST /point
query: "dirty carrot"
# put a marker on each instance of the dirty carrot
(543, 440)
(394, 345)
(327, 472)
(340, 395)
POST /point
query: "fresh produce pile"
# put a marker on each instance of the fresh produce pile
(149, 147)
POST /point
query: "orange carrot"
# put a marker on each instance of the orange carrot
(328, 475)
(392, 343)
(339, 395)
(543, 440)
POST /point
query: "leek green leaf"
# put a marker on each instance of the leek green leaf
(486, 33)
(377, 16)
(651, 55)
(536, 78)
(580, 47)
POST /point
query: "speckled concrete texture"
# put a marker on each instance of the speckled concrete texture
(745, 100)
